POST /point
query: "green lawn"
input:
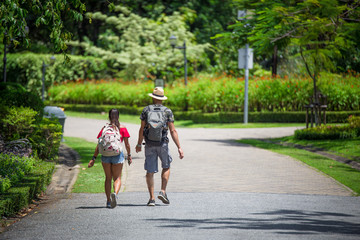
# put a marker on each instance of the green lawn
(90, 180)
(349, 148)
(341, 172)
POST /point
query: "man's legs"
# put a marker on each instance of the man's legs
(165, 174)
(150, 184)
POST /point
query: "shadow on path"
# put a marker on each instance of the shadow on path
(281, 221)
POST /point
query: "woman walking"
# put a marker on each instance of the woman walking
(110, 138)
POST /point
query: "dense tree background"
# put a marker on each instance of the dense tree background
(203, 18)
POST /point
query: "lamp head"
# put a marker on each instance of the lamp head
(172, 40)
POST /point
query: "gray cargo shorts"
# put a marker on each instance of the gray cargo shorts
(151, 157)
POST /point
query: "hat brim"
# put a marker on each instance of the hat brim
(157, 97)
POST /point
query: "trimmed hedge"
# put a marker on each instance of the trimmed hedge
(14, 168)
(98, 108)
(21, 195)
(211, 93)
(15, 95)
(351, 130)
(266, 117)
(219, 117)
(26, 69)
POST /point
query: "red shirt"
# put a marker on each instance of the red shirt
(123, 132)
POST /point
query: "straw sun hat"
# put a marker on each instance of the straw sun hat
(158, 93)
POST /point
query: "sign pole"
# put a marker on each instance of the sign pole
(246, 103)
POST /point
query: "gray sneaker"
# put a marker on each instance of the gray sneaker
(163, 197)
(151, 203)
(108, 204)
(113, 200)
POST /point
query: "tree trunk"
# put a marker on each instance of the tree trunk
(315, 98)
(274, 62)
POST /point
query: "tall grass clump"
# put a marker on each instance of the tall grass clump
(218, 93)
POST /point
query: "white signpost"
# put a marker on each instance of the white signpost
(245, 61)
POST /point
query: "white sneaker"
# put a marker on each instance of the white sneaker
(113, 200)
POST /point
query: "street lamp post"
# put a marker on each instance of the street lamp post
(43, 80)
(5, 59)
(173, 44)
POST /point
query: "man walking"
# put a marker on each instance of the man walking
(156, 121)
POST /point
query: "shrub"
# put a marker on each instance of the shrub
(14, 95)
(18, 122)
(354, 122)
(14, 168)
(46, 139)
(33, 184)
(350, 130)
(325, 132)
(211, 94)
(5, 184)
(26, 69)
(101, 108)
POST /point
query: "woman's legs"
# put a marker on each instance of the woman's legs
(116, 170)
(108, 178)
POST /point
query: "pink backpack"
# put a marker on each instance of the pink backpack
(109, 143)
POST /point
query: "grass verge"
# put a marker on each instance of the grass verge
(135, 119)
(341, 172)
(90, 180)
(349, 148)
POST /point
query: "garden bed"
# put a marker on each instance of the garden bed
(21, 195)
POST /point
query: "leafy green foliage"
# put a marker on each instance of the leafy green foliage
(46, 139)
(350, 130)
(218, 93)
(325, 132)
(18, 123)
(354, 122)
(205, 18)
(14, 15)
(320, 31)
(19, 196)
(141, 46)
(26, 69)
(5, 184)
(14, 168)
(15, 95)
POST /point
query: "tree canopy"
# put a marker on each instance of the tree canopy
(19, 17)
(141, 45)
(322, 31)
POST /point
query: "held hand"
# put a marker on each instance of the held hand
(91, 163)
(181, 153)
(138, 148)
(129, 160)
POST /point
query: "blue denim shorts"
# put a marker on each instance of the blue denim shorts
(152, 153)
(113, 159)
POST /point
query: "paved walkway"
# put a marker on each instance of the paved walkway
(214, 162)
(220, 190)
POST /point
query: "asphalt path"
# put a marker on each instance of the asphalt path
(220, 190)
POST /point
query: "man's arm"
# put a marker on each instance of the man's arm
(141, 136)
(175, 137)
